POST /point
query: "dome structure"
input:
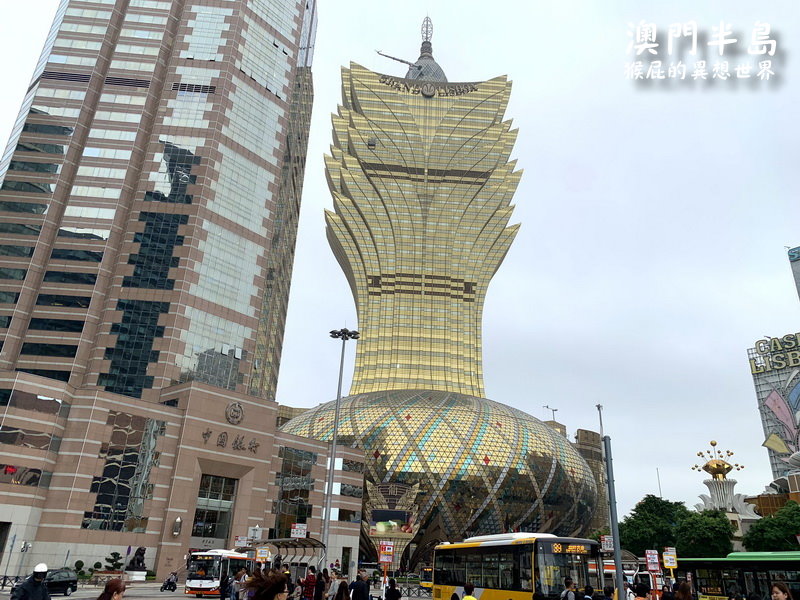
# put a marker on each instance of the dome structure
(457, 465)
(426, 68)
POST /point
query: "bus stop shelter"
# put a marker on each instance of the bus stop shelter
(296, 553)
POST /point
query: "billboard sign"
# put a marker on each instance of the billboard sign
(773, 365)
(395, 523)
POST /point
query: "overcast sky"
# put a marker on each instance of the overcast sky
(654, 217)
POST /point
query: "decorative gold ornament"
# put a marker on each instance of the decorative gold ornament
(717, 466)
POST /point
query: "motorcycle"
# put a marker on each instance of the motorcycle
(170, 584)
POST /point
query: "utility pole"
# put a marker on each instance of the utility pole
(612, 509)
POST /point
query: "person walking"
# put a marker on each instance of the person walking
(224, 586)
(468, 589)
(114, 590)
(243, 584)
(343, 592)
(319, 586)
(642, 591)
(360, 589)
(569, 589)
(269, 585)
(34, 587)
(392, 593)
(359, 576)
(780, 591)
(309, 583)
(297, 593)
(236, 585)
(684, 591)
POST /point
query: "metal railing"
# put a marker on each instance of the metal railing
(9, 580)
(415, 591)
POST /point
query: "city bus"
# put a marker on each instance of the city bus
(205, 568)
(511, 566)
(740, 572)
(426, 577)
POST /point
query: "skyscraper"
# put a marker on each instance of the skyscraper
(773, 365)
(422, 183)
(794, 261)
(148, 215)
(146, 162)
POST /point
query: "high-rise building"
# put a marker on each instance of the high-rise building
(422, 184)
(773, 365)
(148, 214)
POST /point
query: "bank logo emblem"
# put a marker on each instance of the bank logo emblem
(234, 413)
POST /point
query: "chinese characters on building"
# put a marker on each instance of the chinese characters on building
(237, 443)
(682, 51)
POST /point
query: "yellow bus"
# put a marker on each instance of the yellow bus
(512, 566)
(426, 577)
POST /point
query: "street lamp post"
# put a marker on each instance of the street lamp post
(612, 508)
(344, 335)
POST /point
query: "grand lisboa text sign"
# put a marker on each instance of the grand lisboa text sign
(428, 88)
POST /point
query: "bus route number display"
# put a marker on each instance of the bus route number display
(562, 548)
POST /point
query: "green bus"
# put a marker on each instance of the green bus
(740, 573)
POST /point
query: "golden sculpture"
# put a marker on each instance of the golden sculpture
(717, 466)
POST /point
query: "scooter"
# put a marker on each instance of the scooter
(170, 584)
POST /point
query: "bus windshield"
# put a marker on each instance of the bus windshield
(557, 560)
(204, 567)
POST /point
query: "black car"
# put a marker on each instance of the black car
(59, 581)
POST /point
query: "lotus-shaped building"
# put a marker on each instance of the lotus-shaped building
(422, 185)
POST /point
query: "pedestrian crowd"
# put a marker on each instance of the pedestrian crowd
(276, 584)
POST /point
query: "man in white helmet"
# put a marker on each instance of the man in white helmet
(34, 587)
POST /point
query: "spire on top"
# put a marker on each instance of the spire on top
(427, 29)
(426, 68)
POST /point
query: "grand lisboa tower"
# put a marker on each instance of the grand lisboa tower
(421, 181)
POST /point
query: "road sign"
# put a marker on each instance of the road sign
(299, 530)
(670, 558)
(651, 556)
(241, 540)
(606, 543)
(263, 554)
(386, 552)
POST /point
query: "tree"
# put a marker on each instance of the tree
(704, 534)
(595, 535)
(114, 561)
(651, 525)
(776, 532)
(97, 566)
(79, 567)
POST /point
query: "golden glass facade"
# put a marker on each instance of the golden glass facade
(422, 185)
(476, 466)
